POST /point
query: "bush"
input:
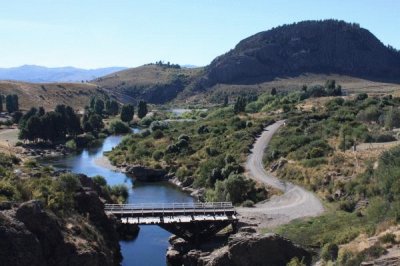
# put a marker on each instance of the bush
(296, 262)
(145, 133)
(157, 155)
(185, 137)
(347, 205)
(388, 238)
(119, 127)
(329, 252)
(161, 125)
(158, 134)
(120, 192)
(248, 203)
(99, 180)
(71, 144)
(7, 190)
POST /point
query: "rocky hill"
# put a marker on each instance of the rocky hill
(328, 46)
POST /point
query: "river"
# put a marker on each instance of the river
(149, 248)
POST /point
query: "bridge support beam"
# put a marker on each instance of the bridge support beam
(198, 231)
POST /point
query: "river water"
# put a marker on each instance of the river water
(149, 248)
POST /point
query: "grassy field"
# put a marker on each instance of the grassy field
(49, 95)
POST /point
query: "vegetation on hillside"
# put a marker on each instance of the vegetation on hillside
(319, 149)
(207, 153)
(56, 191)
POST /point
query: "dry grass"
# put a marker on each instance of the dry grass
(144, 75)
(350, 85)
(49, 95)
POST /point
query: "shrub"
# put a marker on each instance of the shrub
(158, 134)
(329, 252)
(248, 203)
(100, 181)
(161, 125)
(388, 238)
(145, 133)
(7, 190)
(157, 155)
(120, 192)
(185, 137)
(146, 121)
(71, 144)
(119, 127)
(347, 205)
(295, 262)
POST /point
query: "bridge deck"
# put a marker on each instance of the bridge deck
(166, 213)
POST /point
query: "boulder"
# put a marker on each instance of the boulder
(146, 174)
(174, 257)
(255, 249)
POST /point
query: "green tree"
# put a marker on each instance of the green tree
(41, 111)
(96, 122)
(15, 102)
(1, 103)
(226, 100)
(114, 107)
(99, 107)
(9, 104)
(54, 128)
(240, 105)
(127, 113)
(273, 91)
(142, 109)
(72, 122)
(92, 103)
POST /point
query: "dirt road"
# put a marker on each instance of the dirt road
(295, 202)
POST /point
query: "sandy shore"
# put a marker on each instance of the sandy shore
(103, 161)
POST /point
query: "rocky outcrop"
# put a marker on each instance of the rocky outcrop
(242, 249)
(146, 174)
(33, 235)
(328, 46)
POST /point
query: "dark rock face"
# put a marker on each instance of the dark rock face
(328, 46)
(253, 250)
(146, 174)
(243, 249)
(34, 236)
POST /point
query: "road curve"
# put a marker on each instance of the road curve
(295, 202)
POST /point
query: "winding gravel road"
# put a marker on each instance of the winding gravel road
(295, 202)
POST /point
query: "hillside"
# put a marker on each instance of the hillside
(152, 83)
(32, 73)
(327, 46)
(49, 95)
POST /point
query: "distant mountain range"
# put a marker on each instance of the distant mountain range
(33, 73)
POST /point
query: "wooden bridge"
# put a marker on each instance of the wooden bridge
(194, 222)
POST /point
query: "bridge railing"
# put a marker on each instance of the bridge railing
(169, 206)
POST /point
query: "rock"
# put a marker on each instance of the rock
(146, 174)
(5, 205)
(33, 235)
(18, 246)
(198, 193)
(254, 249)
(180, 244)
(188, 181)
(278, 164)
(174, 257)
(247, 229)
(127, 231)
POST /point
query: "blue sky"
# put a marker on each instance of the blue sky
(100, 33)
